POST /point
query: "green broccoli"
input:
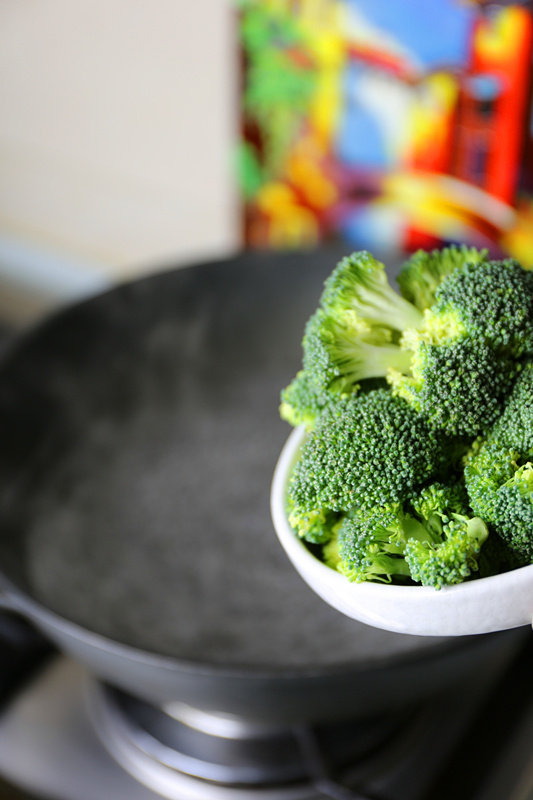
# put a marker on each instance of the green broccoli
(465, 354)
(301, 401)
(448, 559)
(514, 427)
(340, 352)
(499, 471)
(453, 350)
(460, 386)
(494, 301)
(431, 544)
(316, 526)
(358, 286)
(366, 546)
(437, 500)
(352, 337)
(422, 274)
(355, 332)
(371, 452)
(499, 481)
(455, 363)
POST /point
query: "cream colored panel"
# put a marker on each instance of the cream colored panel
(117, 126)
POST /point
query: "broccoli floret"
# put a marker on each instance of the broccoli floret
(366, 547)
(499, 475)
(352, 337)
(464, 355)
(422, 274)
(314, 526)
(494, 300)
(460, 387)
(452, 558)
(452, 554)
(390, 543)
(301, 401)
(372, 452)
(499, 481)
(354, 334)
(436, 502)
(514, 427)
(359, 286)
(340, 352)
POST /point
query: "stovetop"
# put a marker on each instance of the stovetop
(48, 748)
(472, 744)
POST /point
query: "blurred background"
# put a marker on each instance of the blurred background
(138, 135)
(393, 125)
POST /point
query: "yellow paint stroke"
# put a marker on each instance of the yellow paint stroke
(430, 115)
(495, 38)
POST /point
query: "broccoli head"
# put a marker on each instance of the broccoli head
(314, 526)
(358, 286)
(371, 452)
(453, 348)
(354, 334)
(494, 300)
(499, 481)
(499, 472)
(340, 352)
(514, 427)
(430, 544)
(352, 337)
(465, 354)
(301, 401)
(450, 559)
(423, 273)
(454, 363)
(366, 547)
(437, 501)
(460, 386)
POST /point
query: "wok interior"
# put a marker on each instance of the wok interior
(139, 436)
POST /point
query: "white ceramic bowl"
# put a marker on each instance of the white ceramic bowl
(479, 606)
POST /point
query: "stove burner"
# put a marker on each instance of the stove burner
(184, 753)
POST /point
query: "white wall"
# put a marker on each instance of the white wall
(117, 123)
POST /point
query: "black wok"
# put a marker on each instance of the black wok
(138, 435)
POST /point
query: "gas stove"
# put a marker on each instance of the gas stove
(67, 736)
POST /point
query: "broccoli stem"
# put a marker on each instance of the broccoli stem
(388, 308)
(381, 567)
(476, 529)
(357, 360)
(414, 529)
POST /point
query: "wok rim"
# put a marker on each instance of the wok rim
(18, 601)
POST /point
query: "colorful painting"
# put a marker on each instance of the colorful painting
(391, 125)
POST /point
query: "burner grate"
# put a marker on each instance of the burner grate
(185, 754)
